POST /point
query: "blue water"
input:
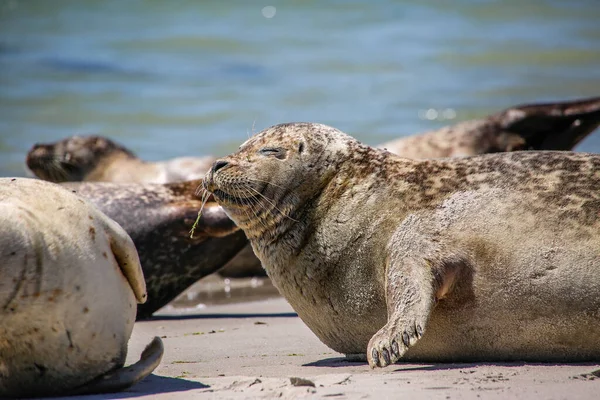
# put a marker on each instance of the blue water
(173, 78)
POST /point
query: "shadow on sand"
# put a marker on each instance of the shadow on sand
(466, 365)
(334, 362)
(220, 316)
(153, 384)
(409, 366)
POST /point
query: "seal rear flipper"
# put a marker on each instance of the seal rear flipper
(127, 257)
(126, 377)
(552, 126)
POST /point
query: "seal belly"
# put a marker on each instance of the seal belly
(66, 309)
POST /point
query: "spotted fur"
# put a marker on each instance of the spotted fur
(492, 257)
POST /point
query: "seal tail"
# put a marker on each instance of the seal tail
(552, 126)
(123, 378)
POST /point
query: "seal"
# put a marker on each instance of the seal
(158, 219)
(96, 158)
(545, 126)
(69, 283)
(493, 257)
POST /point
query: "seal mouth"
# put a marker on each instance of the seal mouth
(222, 196)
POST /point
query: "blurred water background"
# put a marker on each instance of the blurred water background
(190, 77)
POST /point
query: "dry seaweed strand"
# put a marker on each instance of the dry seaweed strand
(205, 196)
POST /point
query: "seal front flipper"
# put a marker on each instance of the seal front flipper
(410, 299)
(125, 377)
(415, 280)
(127, 258)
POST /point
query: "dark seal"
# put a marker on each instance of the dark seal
(544, 126)
(158, 219)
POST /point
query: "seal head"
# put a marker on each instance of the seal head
(73, 158)
(255, 190)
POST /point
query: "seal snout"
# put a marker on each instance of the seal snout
(36, 155)
(209, 179)
(217, 165)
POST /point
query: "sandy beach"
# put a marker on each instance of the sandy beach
(261, 349)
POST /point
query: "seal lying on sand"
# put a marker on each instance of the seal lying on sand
(550, 126)
(158, 218)
(70, 279)
(494, 257)
(96, 158)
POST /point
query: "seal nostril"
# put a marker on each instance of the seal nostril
(218, 165)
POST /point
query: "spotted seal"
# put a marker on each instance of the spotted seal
(96, 158)
(70, 279)
(493, 257)
(544, 126)
(158, 218)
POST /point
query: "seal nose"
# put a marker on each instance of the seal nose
(35, 153)
(217, 165)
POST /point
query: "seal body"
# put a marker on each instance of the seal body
(546, 126)
(493, 257)
(70, 279)
(158, 218)
(96, 158)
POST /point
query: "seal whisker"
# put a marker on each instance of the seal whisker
(249, 218)
(201, 190)
(253, 208)
(249, 205)
(273, 204)
(62, 174)
(263, 181)
(54, 170)
(259, 210)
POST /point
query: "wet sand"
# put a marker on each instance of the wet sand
(247, 350)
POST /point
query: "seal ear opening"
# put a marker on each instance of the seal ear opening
(301, 147)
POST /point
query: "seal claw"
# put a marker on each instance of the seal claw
(419, 331)
(395, 349)
(385, 354)
(406, 339)
(374, 358)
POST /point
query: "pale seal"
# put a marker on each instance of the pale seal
(158, 219)
(70, 279)
(96, 158)
(545, 126)
(494, 257)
